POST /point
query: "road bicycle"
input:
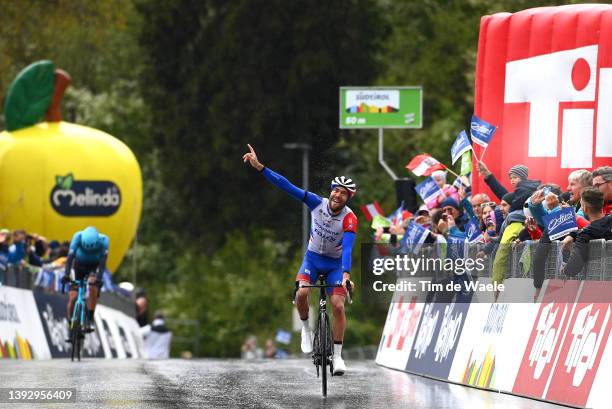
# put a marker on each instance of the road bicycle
(322, 346)
(78, 327)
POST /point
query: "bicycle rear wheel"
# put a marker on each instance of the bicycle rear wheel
(76, 329)
(324, 346)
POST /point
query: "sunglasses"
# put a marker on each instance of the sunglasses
(485, 204)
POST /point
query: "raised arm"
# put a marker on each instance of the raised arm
(312, 200)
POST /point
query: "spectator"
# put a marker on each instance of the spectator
(141, 305)
(270, 351)
(17, 250)
(450, 207)
(602, 179)
(600, 228)
(5, 242)
(449, 191)
(249, 349)
(157, 338)
(477, 200)
(423, 217)
(577, 181)
(504, 205)
(518, 175)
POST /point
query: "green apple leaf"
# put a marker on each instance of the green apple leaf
(29, 95)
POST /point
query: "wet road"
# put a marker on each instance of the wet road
(213, 383)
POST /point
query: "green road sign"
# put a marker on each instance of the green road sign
(381, 107)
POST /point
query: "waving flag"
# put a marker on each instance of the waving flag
(472, 231)
(399, 215)
(462, 144)
(466, 163)
(481, 131)
(414, 237)
(371, 209)
(424, 165)
(428, 190)
(559, 224)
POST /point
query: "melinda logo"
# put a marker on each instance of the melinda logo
(85, 197)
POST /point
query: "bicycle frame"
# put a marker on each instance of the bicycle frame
(80, 300)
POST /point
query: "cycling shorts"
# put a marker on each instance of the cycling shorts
(82, 272)
(315, 264)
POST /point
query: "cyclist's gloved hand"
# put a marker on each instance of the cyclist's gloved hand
(65, 280)
(346, 277)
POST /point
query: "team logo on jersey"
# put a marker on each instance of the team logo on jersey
(70, 197)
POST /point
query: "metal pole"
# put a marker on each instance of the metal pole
(381, 153)
(305, 169)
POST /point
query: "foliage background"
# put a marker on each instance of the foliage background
(187, 83)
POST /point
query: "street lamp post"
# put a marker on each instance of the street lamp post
(304, 147)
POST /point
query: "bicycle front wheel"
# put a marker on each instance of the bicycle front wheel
(74, 336)
(324, 349)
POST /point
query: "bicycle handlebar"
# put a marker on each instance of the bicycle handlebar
(349, 289)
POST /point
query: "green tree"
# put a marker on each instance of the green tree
(221, 74)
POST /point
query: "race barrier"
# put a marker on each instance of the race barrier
(551, 350)
(33, 325)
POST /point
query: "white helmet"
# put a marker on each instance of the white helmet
(343, 181)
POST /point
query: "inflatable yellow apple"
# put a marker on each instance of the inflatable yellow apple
(57, 177)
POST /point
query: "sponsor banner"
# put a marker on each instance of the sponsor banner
(487, 354)
(544, 76)
(437, 337)
(583, 346)
(400, 329)
(21, 334)
(547, 335)
(119, 333)
(52, 311)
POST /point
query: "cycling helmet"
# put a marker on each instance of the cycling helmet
(89, 238)
(343, 181)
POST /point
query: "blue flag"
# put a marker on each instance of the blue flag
(461, 145)
(456, 247)
(472, 231)
(428, 190)
(414, 237)
(559, 224)
(481, 131)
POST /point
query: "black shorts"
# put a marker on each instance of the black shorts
(82, 272)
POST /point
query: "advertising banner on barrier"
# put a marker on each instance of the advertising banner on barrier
(400, 329)
(120, 334)
(52, 311)
(541, 354)
(487, 355)
(21, 334)
(583, 346)
(436, 339)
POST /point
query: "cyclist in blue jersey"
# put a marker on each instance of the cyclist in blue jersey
(332, 236)
(88, 253)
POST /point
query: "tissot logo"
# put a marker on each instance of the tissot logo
(70, 197)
